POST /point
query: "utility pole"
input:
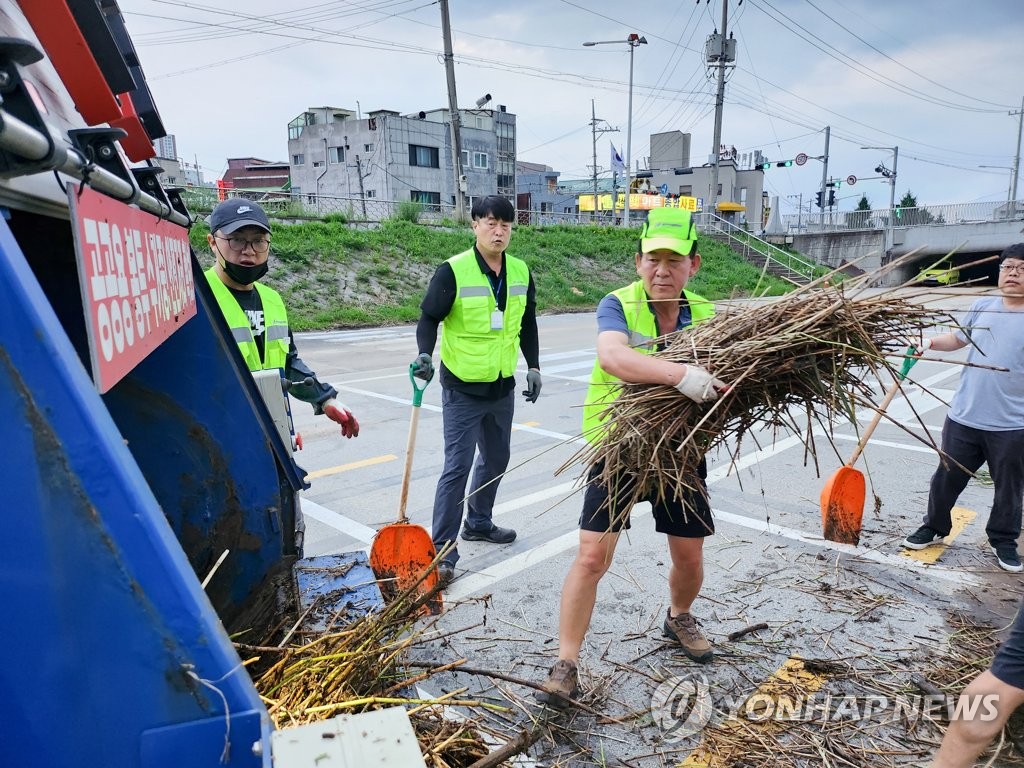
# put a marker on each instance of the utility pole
(1016, 161)
(824, 175)
(362, 193)
(594, 131)
(718, 53)
(453, 111)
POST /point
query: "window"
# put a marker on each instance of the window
(545, 207)
(686, 189)
(297, 192)
(371, 193)
(424, 157)
(426, 198)
(368, 147)
(298, 159)
(479, 160)
(318, 163)
(335, 155)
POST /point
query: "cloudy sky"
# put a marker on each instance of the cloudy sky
(937, 78)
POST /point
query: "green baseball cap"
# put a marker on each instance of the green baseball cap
(669, 228)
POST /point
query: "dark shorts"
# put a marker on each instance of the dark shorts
(688, 517)
(1008, 665)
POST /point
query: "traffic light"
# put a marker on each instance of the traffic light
(899, 213)
(817, 199)
(831, 198)
(784, 164)
(765, 166)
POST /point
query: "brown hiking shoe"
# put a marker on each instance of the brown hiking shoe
(683, 629)
(561, 686)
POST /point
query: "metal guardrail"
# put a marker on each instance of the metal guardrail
(741, 239)
(922, 215)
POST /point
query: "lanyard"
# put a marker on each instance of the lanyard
(495, 288)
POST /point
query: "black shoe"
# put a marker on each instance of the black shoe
(496, 535)
(1006, 555)
(923, 537)
(445, 574)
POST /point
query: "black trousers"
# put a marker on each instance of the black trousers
(970, 447)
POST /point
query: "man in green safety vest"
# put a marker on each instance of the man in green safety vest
(628, 321)
(485, 299)
(240, 240)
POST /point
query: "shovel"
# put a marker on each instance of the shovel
(842, 498)
(402, 552)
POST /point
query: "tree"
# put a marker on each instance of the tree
(858, 219)
(908, 214)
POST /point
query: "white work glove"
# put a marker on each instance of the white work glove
(699, 385)
(920, 347)
(336, 411)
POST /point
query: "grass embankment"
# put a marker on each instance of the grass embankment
(334, 276)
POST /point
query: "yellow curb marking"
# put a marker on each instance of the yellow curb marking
(526, 424)
(961, 519)
(354, 465)
(784, 691)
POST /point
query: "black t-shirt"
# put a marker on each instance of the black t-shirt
(251, 304)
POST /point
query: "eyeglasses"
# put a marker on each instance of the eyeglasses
(1012, 269)
(238, 244)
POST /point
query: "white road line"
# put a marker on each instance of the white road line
(565, 489)
(478, 581)
(338, 521)
(895, 561)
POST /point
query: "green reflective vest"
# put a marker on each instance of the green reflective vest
(643, 329)
(470, 348)
(275, 323)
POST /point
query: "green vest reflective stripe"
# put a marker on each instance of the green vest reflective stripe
(275, 323)
(643, 329)
(470, 348)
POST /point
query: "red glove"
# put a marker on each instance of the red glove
(337, 412)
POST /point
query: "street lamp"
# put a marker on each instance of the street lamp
(1009, 193)
(632, 40)
(891, 175)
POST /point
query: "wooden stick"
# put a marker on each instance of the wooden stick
(747, 630)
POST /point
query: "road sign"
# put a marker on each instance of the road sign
(801, 158)
(851, 179)
(663, 189)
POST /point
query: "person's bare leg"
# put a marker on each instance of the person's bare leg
(965, 739)
(579, 592)
(686, 575)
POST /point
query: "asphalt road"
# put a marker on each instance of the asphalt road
(767, 562)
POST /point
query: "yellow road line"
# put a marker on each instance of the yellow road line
(353, 465)
(961, 518)
(525, 424)
(788, 686)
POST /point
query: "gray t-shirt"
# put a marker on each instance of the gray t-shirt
(992, 400)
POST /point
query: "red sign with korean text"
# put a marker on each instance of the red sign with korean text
(136, 277)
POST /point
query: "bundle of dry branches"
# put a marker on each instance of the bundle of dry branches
(809, 356)
(362, 667)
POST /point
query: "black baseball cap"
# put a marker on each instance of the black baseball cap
(232, 215)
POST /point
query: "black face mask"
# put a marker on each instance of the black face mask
(244, 275)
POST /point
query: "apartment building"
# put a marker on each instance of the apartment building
(388, 156)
